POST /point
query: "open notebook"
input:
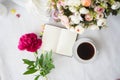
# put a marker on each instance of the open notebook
(58, 40)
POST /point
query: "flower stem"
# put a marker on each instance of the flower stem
(36, 54)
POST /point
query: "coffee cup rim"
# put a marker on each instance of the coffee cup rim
(75, 47)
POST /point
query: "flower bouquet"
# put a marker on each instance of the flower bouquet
(78, 15)
(43, 64)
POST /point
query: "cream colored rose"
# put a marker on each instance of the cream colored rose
(83, 11)
(76, 19)
(72, 9)
(101, 22)
(116, 5)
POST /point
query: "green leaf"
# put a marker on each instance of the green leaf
(47, 63)
(30, 67)
(46, 56)
(30, 71)
(50, 55)
(67, 12)
(36, 62)
(41, 60)
(37, 77)
(28, 62)
(51, 66)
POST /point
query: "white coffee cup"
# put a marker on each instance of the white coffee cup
(80, 42)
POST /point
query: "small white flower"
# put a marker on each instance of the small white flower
(101, 22)
(100, 15)
(72, 9)
(83, 11)
(76, 19)
(79, 29)
(116, 5)
(94, 27)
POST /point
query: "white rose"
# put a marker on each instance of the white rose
(101, 22)
(76, 19)
(79, 29)
(72, 9)
(94, 27)
(73, 2)
(83, 11)
(116, 5)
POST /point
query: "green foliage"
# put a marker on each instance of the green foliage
(37, 77)
(28, 62)
(30, 71)
(43, 65)
(67, 12)
(46, 63)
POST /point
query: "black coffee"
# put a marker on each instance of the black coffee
(85, 51)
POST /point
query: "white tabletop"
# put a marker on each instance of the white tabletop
(105, 67)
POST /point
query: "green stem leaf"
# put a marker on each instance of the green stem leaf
(28, 62)
(37, 77)
(30, 71)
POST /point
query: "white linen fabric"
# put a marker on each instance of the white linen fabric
(105, 67)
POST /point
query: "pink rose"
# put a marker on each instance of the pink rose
(55, 15)
(99, 9)
(88, 17)
(64, 20)
(30, 42)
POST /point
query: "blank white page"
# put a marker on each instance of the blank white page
(66, 42)
(50, 38)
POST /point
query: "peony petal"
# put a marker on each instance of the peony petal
(30, 42)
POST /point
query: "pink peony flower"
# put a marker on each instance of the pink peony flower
(86, 3)
(88, 17)
(30, 42)
(99, 9)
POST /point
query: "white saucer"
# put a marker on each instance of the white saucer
(80, 41)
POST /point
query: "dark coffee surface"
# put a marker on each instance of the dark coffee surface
(85, 51)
